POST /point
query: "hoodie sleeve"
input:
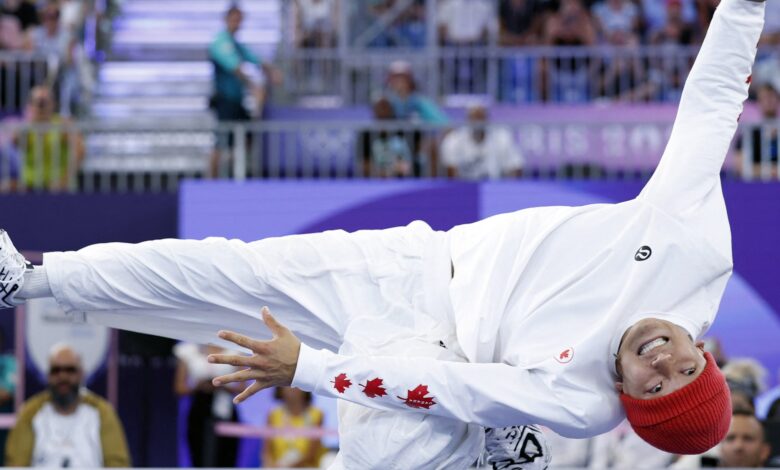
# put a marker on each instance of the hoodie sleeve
(488, 394)
(709, 109)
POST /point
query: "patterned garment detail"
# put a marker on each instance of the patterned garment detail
(517, 448)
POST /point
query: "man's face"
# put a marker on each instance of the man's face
(64, 377)
(656, 358)
(744, 444)
(233, 20)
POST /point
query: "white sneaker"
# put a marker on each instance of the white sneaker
(12, 269)
(517, 448)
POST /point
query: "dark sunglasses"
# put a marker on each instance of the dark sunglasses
(71, 370)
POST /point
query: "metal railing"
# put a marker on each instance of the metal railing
(19, 73)
(498, 74)
(90, 157)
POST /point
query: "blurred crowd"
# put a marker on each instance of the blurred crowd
(515, 22)
(52, 32)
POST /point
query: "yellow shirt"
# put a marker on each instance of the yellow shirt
(281, 446)
(45, 156)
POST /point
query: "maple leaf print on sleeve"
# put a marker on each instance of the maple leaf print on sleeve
(374, 388)
(341, 383)
(417, 398)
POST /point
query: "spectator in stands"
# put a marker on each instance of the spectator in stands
(746, 379)
(51, 151)
(465, 23)
(7, 388)
(480, 151)
(566, 78)
(66, 425)
(763, 145)
(570, 25)
(316, 22)
(412, 106)
(655, 14)
(676, 28)
(408, 103)
(745, 444)
(208, 406)
(296, 413)
(617, 22)
(52, 40)
(23, 10)
(233, 74)
(520, 22)
(386, 154)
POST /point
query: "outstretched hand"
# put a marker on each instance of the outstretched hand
(272, 363)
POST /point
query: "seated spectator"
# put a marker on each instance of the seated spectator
(465, 22)
(411, 105)
(617, 22)
(520, 22)
(745, 444)
(386, 154)
(295, 413)
(66, 425)
(208, 406)
(52, 154)
(676, 29)
(316, 22)
(571, 25)
(22, 10)
(763, 145)
(655, 14)
(480, 151)
(746, 379)
(407, 102)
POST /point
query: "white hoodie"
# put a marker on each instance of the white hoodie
(541, 297)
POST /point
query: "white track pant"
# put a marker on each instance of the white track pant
(370, 292)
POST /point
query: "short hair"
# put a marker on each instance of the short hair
(234, 8)
(747, 414)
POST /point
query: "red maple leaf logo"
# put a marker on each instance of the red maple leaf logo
(565, 356)
(749, 79)
(341, 382)
(417, 398)
(373, 388)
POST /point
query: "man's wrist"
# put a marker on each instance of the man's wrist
(310, 368)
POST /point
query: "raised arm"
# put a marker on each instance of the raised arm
(709, 109)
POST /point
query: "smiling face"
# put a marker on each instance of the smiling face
(656, 358)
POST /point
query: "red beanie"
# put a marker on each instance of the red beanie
(690, 420)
